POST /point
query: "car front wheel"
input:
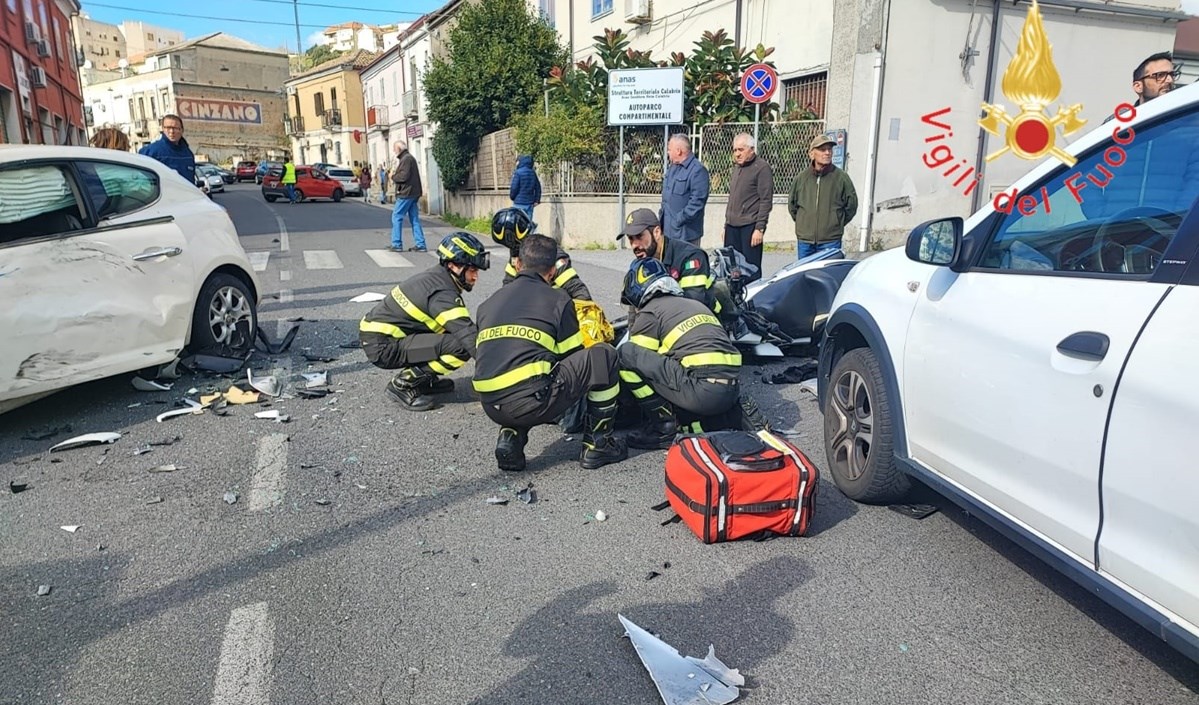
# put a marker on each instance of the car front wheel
(859, 433)
(337, 195)
(226, 316)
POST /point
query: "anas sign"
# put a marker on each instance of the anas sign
(219, 111)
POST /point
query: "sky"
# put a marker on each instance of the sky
(268, 23)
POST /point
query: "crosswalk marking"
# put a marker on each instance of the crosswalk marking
(322, 259)
(387, 258)
(243, 674)
(258, 260)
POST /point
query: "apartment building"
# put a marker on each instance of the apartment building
(40, 101)
(326, 114)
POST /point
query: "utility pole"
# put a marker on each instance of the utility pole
(295, 6)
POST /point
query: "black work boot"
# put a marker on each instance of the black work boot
(599, 446)
(437, 385)
(405, 387)
(658, 430)
(510, 449)
(752, 419)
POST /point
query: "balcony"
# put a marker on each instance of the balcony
(141, 127)
(293, 125)
(331, 119)
(410, 103)
(376, 117)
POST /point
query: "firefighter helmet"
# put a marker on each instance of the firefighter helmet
(509, 226)
(464, 249)
(642, 273)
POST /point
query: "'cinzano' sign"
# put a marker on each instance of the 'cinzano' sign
(645, 96)
(219, 110)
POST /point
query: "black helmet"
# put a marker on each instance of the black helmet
(509, 226)
(465, 249)
(642, 273)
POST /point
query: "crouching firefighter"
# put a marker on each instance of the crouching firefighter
(509, 227)
(423, 328)
(532, 365)
(678, 362)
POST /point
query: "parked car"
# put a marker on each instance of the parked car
(111, 263)
(310, 183)
(208, 174)
(1036, 365)
(264, 168)
(245, 171)
(325, 166)
(349, 182)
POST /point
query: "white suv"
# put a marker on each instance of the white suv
(1040, 367)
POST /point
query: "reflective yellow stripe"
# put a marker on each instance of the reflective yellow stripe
(510, 270)
(417, 314)
(566, 275)
(574, 341)
(512, 377)
(630, 377)
(452, 362)
(604, 394)
(452, 314)
(697, 320)
(694, 280)
(439, 368)
(642, 392)
(520, 333)
(645, 341)
(713, 358)
(385, 328)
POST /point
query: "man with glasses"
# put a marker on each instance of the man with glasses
(171, 149)
(1154, 77)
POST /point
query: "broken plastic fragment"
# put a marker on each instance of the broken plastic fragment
(268, 385)
(651, 575)
(322, 502)
(282, 345)
(367, 298)
(809, 386)
(313, 393)
(17, 486)
(684, 680)
(496, 500)
(274, 415)
(214, 363)
(143, 450)
(315, 379)
(169, 370)
(230, 497)
(318, 358)
(43, 590)
(178, 412)
(600, 516)
(528, 495)
(72, 528)
(88, 439)
(166, 441)
(154, 500)
(146, 385)
(166, 468)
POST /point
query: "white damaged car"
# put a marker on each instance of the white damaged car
(110, 262)
(1039, 365)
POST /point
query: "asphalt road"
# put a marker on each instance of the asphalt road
(361, 562)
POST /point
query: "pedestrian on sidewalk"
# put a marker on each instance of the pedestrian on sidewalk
(751, 192)
(382, 172)
(525, 189)
(364, 180)
(822, 201)
(684, 193)
(408, 192)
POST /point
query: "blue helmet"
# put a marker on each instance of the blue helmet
(642, 273)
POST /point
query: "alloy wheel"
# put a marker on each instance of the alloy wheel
(227, 312)
(853, 412)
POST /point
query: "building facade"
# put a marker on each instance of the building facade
(352, 36)
(40, 101)
(227, 90)
(100, 44)
(145, 39)
(326, 114)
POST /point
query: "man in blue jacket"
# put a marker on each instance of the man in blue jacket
(684, 193)
(525, 190)
(171, 149)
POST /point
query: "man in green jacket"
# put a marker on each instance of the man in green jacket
(823, 201)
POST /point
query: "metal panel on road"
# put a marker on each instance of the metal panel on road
(387, 258)
(322, 259)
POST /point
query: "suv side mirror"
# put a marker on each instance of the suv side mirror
(936, 242)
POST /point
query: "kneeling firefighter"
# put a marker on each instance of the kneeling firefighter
(509, 227)
(423, 328)
(678, 360)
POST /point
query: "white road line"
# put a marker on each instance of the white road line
(284, 241)
(265, 488)
(387, 258)
(284, 275)
(243, 676)
(258, 260)
(322, 259)
(286, 296)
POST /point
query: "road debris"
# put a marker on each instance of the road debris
(351, 344)
(319, 358)
(684, 680)
(274, 415)
(913, 511)
(528, 495)
(17, 486)
(215, 363)
(268, 385)
(809, 386)
(230, 497)
(312, 380)
(367, 298)
(496, 500)
(169, 370)
(197, 409)
(600, 516)
(70, 528)
(279, 347)
(651, 575)
(794, 374)
(154, 500)
(148, 385)
(322, 502)
(41, 434)
(166, 441)
(87, 439)
(43, 590)
(166, 468)
(233, 395)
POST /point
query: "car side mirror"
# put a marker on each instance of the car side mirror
(937, 242)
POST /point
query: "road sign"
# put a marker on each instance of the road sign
(758, 83)
(646, 96)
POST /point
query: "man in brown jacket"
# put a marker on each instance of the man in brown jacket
(751, 193)
(406, 178)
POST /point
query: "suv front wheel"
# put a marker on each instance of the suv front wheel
(859, 433)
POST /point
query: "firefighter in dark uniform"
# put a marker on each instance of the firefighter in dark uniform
(423, 328)
(532, 365)
(678, 358)
(685, 262)
(509, 227)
